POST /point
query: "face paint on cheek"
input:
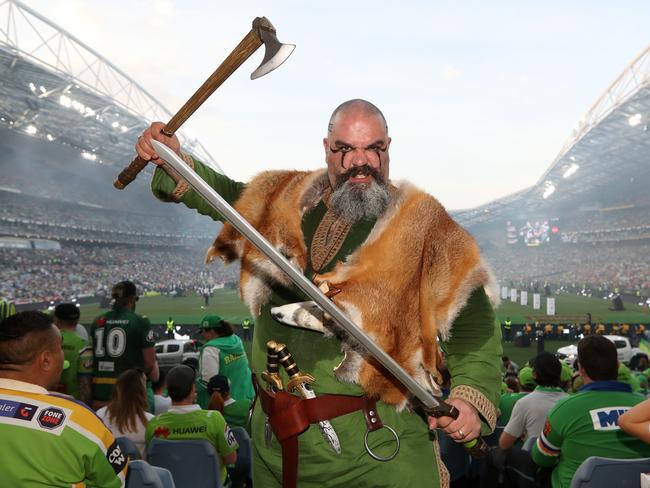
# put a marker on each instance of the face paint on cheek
(343, 153)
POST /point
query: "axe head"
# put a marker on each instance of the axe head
(276, 53)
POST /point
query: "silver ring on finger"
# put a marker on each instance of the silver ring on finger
(462, 434)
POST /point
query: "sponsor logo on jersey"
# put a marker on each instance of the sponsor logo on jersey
(606, 418)
(547, 428)
(191, 429)
(161, 431)
(101, 322)
(116, 457)
(230, 437)
(231, 358)
(106, 366)
(51, 418)
(117, 322)
(17, 410)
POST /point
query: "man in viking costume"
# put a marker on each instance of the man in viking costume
(395, 262)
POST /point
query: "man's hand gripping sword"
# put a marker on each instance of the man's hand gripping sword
(422, 397)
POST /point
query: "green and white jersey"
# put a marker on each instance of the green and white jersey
(50, 441)
(118, 336)
(584, 425)
(80, 355)
(190, 422)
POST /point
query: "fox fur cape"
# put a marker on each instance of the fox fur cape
(404, 285)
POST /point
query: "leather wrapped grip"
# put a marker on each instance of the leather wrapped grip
(129, 173)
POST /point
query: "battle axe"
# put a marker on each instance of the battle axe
(276, 53)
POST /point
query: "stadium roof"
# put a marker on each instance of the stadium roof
(56, 88)
(609, 147)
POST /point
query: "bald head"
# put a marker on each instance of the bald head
(357, 106)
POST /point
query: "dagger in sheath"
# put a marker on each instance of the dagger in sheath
(300, 383)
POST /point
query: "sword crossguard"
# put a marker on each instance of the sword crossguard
(273, 381)
(298, 380)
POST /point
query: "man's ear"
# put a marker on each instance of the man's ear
(45, 360)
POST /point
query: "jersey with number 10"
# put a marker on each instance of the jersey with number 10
(118, 336)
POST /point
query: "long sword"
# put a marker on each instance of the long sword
(430, 404)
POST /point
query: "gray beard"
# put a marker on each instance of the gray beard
(354, 202)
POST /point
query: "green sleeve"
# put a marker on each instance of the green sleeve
(546, 451)
(224, 438)
(104, 469)
(474, 348)
(146, 334)
(163, 186)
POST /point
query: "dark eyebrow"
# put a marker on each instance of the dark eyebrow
(378, 142)
(342, 143)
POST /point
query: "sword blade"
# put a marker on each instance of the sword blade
(216, 201)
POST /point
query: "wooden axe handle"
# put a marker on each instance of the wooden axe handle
(241, 53)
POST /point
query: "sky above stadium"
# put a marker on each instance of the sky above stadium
(479, 96)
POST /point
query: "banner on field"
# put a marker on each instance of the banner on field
(537, 301)
(550, 306)
(513, 294)
(523, 298)
(504, 292)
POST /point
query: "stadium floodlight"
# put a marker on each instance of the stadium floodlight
(549, 189)
(42, 88)
(572, 168)
(634, 120)
(89, 156)
(124, 128)
(65, 101)
(50, 137)
(115, 124)
(32, 86)
(31, 130)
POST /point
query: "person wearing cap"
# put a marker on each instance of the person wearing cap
(234, 411)
(223, 353)
(122, 340)
(47, 439)
(186, 420)
(76, 380)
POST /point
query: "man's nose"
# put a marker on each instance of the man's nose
(360, 157)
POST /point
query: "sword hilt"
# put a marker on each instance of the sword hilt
(477, 448)
(272, 374)
(296, 377)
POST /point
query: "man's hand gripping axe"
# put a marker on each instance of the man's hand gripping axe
(422, 397)
(276, 53)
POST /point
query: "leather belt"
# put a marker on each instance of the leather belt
(290, 416)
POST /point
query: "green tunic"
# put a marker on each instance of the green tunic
(473, 354)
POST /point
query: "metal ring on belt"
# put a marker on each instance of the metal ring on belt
(376, 456)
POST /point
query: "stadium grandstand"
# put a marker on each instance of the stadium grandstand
(585, 224)
(68, 122)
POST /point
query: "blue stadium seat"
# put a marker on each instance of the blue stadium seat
(129, 448)
(192, 463)
(599, 472)
(142, 475)
(242, 474)
(165, 476)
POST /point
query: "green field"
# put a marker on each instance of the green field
(575, 306)
(226, 302)
(185, 310)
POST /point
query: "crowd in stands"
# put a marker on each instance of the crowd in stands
(604, 267)
(83, 270)
(31, 217)
(137, 406)
(552, 417)
(613, 225)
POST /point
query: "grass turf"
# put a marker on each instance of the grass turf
(185, 310)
